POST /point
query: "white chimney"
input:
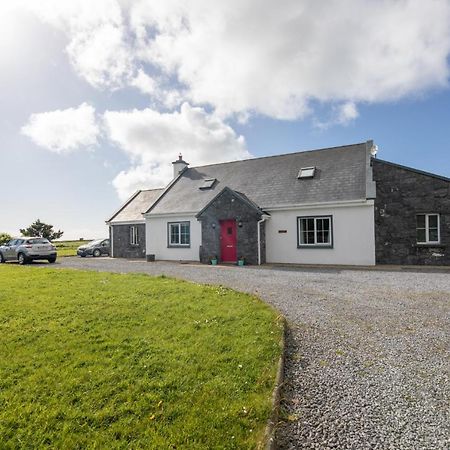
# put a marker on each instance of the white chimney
(179, 165)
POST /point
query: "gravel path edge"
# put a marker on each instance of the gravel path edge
(271, 427)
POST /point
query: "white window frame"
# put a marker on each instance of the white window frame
(315, 244)
(134, 235)
(427, 229)
(170, 225)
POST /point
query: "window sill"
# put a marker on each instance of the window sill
(315, 246)
(178, 246)
(428, 245)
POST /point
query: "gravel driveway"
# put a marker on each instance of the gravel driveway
(368, 351)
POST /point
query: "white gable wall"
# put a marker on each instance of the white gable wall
(353, 236)
(157, 238)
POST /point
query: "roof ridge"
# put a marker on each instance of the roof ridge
(153, 189)
(278, 156)
(124, 205)
(412, 169)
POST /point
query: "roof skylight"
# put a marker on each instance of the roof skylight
(208, 183)
(306, 172)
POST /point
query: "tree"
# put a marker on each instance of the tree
(4, 237)
(41, 229)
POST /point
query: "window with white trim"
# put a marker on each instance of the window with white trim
(427, 229)
(134, 236)
(315, 231)
(179, 234)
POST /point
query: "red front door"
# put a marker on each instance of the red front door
(228, 240)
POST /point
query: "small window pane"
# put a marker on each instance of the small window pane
(174, 234)
(322, 225)
(303, 238)
(184, 234)
(306, 172)
(421, 221)
(421, 237)
(208, 183)
(433, 235)
(432, 221)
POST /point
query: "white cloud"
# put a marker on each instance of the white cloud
(98, 45)
(271, 58)
(236, 58)
(346, 113)
(259, 56)
(152, 140)
(144, 83)
(342, 114)
(63, 131)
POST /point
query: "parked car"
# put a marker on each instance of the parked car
(95, 248)
(27, 249)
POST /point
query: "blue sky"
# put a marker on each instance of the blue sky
(96, 101)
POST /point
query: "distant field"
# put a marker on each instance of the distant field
(108, 361)
(69, 248)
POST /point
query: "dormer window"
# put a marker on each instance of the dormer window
(306, 172)
(208, 183)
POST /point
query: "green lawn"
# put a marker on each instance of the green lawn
(68, 248)
(100, 360)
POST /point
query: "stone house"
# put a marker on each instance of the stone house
(127, 225)
(338, 205)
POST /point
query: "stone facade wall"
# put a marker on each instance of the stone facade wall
(401, 195)
(122, 247)
(227, 206)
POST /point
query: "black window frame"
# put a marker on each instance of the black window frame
(327, 245)
(179, 223)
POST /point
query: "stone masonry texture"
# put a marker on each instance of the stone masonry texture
(401, 195)
(228, 206)
(122, 247)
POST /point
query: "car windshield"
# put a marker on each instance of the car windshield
(38, 241)
(96, 242)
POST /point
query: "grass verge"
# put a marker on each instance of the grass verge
(68, 248)
(100, 360)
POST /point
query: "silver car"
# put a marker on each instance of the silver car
(27, 249)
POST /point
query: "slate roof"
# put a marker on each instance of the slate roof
(132, 210)
(239, 195)
(272, 181)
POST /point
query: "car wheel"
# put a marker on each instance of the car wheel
(83, 255)
(52, 260)
(97, 253)
(2, 258)
(22, 259)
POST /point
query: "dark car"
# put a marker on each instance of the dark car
(96, 248)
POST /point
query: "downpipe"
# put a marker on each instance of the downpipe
(263, 219)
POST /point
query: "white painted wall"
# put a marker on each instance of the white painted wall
(156, 239)
(353, 236)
